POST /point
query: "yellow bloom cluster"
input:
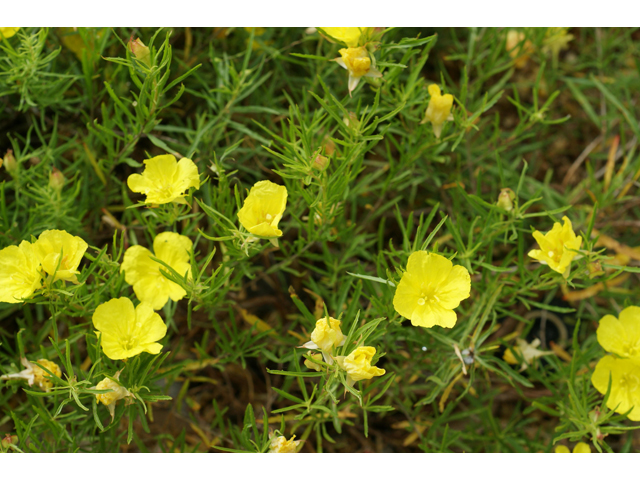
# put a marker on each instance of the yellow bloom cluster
(22, 268)
(144, 274)
(430, 289)
(33, 374)
(556, 247)
(621, 337)
(580, 447)
(165, 180)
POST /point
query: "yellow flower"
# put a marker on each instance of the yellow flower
(19, 273)
(438, 110)
(53, 244)
(528, 351)
(430, 289)
(144, 275)
(556, 246)
(313, 365)
(8, 32)
(357, 61)
(164, 180)
(325, 337)
(520, 54)
(127, 332)
(282, 445)
(621, 337)
(625, 384)
(263, 209)
(347, 35)
(580, 447)
(109, 399)
(358, 365)
(34, 374)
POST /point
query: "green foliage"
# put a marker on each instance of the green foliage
(247, 105)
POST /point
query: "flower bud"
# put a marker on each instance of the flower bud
(595, 269)
(505, 199)
(9, 440)
(10, 163)
(352, 121)
(140, 51)
(320, 163)
(56, 180)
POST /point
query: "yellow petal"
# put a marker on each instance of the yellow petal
(19, 273)
(612, 335)
(430, 315)
(165, 180)
(263, 209)
(455, 288)
(54, 244)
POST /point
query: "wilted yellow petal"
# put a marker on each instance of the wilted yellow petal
(438, 110)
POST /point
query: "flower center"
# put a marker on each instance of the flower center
(629, 382)
(268, 216)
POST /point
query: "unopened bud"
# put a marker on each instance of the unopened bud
(56, 179)
(140, 51)
(9, 440)
(595, 269)
(320, 163)
(594, 415)
(10, 162)
(351, 121)
(328, 145)
(505, 199)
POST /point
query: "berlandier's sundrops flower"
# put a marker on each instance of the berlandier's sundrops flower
(33, 374)
(438, 110)
(621, 336)
(126, 331)
(625, 384)
(556, 246)
(430, 289)
(144, 275)
(20, 272)
(8, 32)
(357, 61)
(348, 35)
(61, 250)
(165, 180)
(580, 447)
(263, 209)
(282, 445)
(325, 337)
(358, 365)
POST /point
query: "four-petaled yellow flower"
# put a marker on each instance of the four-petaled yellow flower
(263, 209)
(282, 445)
(127, 331)
(556, 247)
(430, 289)
(61, 250)
(8, 32)
(625, 384)
(34, 374)
(144, 274)
(357, 61)
(325, 337)
(438, 110)
(109, 399)
(347, 35)
(358, 365)
(20, 272)
(165, 180)
(580, 447)
(621, 337)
